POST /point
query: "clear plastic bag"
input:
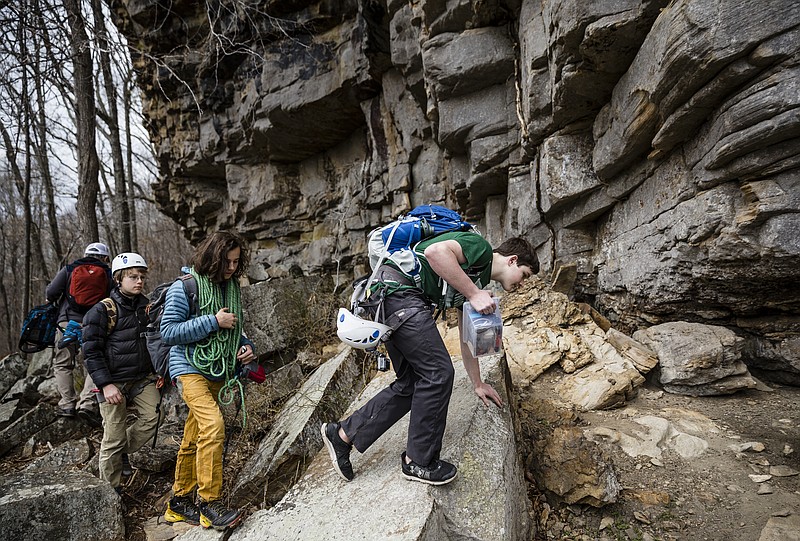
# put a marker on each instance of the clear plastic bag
(483, 333)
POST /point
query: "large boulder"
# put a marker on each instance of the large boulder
(294, 436)
(277, 311)
(609, 382)
(697, 359)
(59, 505)
(12, 368)
(564, 461)
(486, 502)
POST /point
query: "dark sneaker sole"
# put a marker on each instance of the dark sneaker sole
(427, 481)
(172, 517)
(331, 452)
(90, 419)
(206, 523)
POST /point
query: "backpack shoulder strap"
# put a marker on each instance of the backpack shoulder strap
(111, 311)
(190, 286)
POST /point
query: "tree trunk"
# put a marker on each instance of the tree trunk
(85, 113)
(106, 220)
(126, 103)
(120, 213)
(42, 158)
(26, 191)
(8, 316)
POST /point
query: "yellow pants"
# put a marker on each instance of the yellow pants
(199, 462)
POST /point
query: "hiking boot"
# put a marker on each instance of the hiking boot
(91, 418)
(65, 412)
(438, 472)
(182, 509)
(216, 515)
(338, 449)
(126, 465)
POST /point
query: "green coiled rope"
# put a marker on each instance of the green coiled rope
(215, 355)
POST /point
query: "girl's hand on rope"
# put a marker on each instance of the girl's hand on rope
(226, 319)
(245, 354)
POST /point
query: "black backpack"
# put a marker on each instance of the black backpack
(39, 328)
(159, 351)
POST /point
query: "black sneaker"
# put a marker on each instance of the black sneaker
(438, 472)
(65, 412)
(217, 516)
(338, 449)
(91, 418)
(182, 509)
(126, 465)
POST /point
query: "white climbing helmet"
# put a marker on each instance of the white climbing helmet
(127, 260)
(96, 249)
(359, 333)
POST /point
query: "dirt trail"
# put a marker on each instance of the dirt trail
(676, 488)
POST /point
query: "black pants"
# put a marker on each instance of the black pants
(423, 386)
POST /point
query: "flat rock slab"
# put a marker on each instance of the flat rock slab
(26, 426)
(782, 529)
(486, 502)
(294, 436)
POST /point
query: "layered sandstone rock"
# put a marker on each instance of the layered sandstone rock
(653, 144)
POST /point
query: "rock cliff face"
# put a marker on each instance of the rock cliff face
(654, 144)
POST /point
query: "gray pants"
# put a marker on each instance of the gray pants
(423, 386)
(65, 362)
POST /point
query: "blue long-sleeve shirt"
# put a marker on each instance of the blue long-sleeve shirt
(182, 331)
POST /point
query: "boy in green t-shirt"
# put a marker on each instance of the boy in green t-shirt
(455, 268)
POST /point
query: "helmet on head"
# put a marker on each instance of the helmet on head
(359, 333)
(96, 249)
(127, 260)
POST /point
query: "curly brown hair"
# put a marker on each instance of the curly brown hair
(210, 255)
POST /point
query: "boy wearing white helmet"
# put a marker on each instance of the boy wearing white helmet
(116, 356)
(77, 287)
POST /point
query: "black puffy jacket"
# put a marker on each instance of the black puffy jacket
(122, 355)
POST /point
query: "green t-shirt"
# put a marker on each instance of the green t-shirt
(478, 253)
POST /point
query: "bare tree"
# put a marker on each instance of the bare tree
(121, 211)
(40, 142)
(52, 127)
(85, 115)
(127, 104)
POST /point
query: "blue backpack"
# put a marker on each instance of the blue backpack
(39, 328)
(397, 240)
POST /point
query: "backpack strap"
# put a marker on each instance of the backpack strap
(190, 286)
(111, 312)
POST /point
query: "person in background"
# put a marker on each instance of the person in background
(208, 348)
(77, 286)
(116, 357)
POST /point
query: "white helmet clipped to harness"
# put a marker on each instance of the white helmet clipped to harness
(127, 260)
(359, 333)
(96, 249)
